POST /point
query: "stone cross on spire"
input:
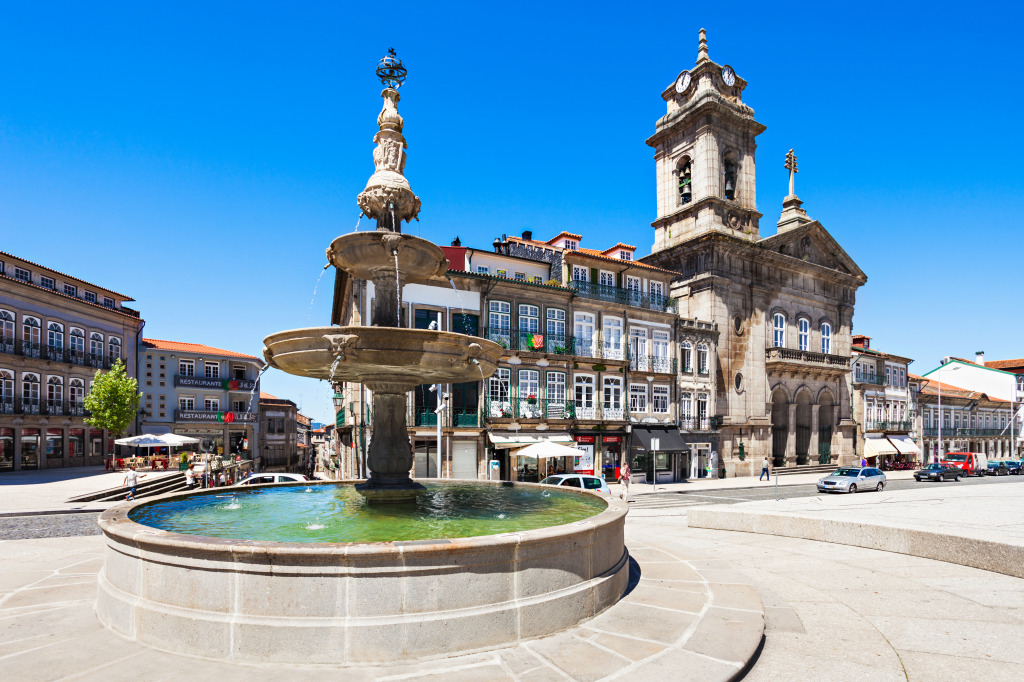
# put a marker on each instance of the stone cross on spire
(791, 167)
(702, 51)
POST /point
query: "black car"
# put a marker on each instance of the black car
(938, 472)
(997, 469)
(1013, 466)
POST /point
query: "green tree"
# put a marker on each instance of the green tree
(113, 400)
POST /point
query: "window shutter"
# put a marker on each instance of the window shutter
(593, 275)
(618, 279)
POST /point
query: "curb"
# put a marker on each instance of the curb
(986, 554)
(50, 512)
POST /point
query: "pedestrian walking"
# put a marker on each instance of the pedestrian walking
(624, 477)
(863, 462)
(223, 479)
(131, 480)
(764, 470)
(190, 476)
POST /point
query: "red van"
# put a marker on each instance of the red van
(972, 463)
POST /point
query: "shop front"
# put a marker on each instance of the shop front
(658, 455)
(877, 449)
(611, 457)
(512, 467)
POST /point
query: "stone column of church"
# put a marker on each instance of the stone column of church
(791, 438)
(812, 447)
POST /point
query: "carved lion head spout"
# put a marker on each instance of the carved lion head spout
(473, 351)
(341, 344)
(392, 242)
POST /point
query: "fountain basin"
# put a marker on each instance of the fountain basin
(382, 354)
(356, 603)
(371, 256)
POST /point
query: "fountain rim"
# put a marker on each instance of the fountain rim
(116, 523)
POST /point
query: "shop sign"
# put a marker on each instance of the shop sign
(585, 439)
(611, 439)
(583, 463)
(217, 383)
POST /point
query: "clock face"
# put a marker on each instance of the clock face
(683, 82)
(729, 76)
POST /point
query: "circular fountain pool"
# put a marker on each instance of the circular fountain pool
(234, 576)
(338, 513)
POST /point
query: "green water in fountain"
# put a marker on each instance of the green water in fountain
(338, 513)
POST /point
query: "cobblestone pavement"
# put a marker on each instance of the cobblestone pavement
(48, 526)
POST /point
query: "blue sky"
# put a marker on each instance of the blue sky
(200, 157)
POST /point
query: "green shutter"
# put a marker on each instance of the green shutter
(593, 275)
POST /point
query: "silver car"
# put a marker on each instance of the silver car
(852, 479)
(579, 481)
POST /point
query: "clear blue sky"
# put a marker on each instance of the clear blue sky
(201, 157)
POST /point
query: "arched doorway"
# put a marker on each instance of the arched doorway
(826, 418)
(780, 427)
(803, 426)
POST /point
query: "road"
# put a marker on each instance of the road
(682, 498)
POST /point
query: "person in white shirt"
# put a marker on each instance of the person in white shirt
(131, 480)
(190, 476)
(765, 471)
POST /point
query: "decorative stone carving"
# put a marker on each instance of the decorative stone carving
(388, 198)
(342, 345)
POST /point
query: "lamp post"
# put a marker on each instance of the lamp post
(339, 402)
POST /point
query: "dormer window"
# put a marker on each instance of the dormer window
(685, 183)
(730, 176)
(571, 245)
(625, 255)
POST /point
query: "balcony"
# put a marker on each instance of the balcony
(891, 426)
(466, 418)
(865, 378)
(695, 424)
(966, 432)
(619, 296)
(46, 407)
(792, 361)
(460, 418)
(531, 342)
(541, 408)
(658, 364)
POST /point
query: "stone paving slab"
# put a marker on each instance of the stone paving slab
(979, 526)
(674, 622)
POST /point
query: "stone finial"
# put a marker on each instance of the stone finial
(702, 51)
(791, 167)
(793, 214)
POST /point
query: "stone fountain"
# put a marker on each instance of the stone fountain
(181, 575)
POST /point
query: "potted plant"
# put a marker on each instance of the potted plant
(531, 399)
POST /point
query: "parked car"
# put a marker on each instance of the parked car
(971, 463)
(997, 469)
(938, 472)
(578, 481)
(852, 479)
(1013, 466)
(260, 479)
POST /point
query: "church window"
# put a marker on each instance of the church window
(730, 176)
(804, 329)
(826, 337)
(779, 330)
(685, 183)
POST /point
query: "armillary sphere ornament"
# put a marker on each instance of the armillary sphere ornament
(390, 70)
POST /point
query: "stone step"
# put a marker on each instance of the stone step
(804, 469)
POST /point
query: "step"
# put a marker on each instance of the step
(804, 469)
(145, 484)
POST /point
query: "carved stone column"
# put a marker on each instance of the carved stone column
(812, 448)
(791, 439)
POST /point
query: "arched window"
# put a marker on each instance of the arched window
(702, 359)
(30, 389)
(779, 330)
(96, 344)
(685, 176)
(686, 356)
(6, 326)
(114, 346)
(55, 335)
(729, 169)
(76, 392)
(30, 330)
(77, 341)
(6, 391)
(804, 333)
(826, 337)
(54, 391)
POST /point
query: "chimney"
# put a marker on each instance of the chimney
(979, 357)
(456, 241)
(528, 235)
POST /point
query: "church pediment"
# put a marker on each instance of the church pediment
(812, 243)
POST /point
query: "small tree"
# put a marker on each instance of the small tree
(113, 400)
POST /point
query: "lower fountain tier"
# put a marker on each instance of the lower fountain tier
(382, 355)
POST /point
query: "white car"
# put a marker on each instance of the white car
(260, 479)
(578, 481)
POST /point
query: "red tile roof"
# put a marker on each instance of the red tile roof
(267, 396)
(183, 347)
(592, 253)
(931, 387)
(620, 245)
(1006, 365)
(71, 277)
(563, 233)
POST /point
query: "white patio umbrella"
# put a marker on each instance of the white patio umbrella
(546, 449)
(161, 440)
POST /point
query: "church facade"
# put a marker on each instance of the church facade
(783, 303)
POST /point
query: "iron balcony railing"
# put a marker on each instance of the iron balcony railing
(43, 407)
(966, 432)
(806, 357)
(531, 341)
(865, 378)
(892, 426)
(466, 418)
(459, 418)
(540, 408)
(695, 423)
(659, 364)
(620, 296)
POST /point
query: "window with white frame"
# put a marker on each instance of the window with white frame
(529, 384)
(607, 278)
(114, 347)
(826, 337)
(90, 297)
(186, 368)
(96, 344)
(625, 255)
(211, 370)
(638, 398)
(54, 391)
(55, 335)
(76, 392)
(187, 402)
(584, 387)
(499, 315)
(804, 333)
(7, 325)
(612, 404)
(888, 375)
(529, 319)
(659, 351)
(6, 386)
(903, 377)
(71, 290)
(498, 387)
(501, 272)
(585, 334)
(521, 276)
(703, 364)
(30, 388)
(77, 340)
(22, 274)
(238, 406)
(657, 291)
(211, 404)
(686, 409)
(779, 330)
(686, 357)
(555, 389)
(633, 286)
(571, 245)
(556, 328)
(580, 273)
(483, 270)
(108, 302)
(612, 332)
(703, 422)
(659, 399)
(47, 282)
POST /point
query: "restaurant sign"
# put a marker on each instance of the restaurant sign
(209, 416)
(215, 383)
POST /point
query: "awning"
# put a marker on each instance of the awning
(905, 445)
(667, 440)
(878, 446)
(508, 439)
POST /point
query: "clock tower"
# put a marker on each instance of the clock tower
(704, 150)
